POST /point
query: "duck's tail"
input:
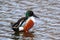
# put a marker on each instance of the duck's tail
(12, 23)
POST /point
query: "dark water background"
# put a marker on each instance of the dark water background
(47, 26)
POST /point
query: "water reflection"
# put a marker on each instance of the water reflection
(23, 36)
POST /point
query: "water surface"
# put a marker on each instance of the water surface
(47, 26)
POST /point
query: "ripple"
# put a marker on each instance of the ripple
(47, 26)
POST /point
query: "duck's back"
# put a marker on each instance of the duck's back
(19, 23)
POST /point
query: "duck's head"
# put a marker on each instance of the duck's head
(30, 13)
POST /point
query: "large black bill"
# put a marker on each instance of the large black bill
(35, 16)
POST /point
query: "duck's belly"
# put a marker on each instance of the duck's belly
(28, 25)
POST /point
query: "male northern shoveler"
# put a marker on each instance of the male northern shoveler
(29, 21)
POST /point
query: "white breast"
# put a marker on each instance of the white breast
(31, 18)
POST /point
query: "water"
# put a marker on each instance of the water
(47, 26)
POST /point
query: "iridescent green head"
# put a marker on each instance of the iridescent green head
(30, 13)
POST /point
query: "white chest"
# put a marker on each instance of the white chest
(31, 18)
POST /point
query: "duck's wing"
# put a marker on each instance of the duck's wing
(19, 22)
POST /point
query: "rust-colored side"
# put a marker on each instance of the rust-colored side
(28, 25)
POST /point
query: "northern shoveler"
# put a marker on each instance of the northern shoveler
(27, 22)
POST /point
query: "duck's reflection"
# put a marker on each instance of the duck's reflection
(23, 36)
(28, 35)
(15, 36)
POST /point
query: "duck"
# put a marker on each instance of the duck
(25, 23)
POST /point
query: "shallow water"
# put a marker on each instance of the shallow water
(47, 26)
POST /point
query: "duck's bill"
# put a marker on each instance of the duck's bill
(35, 16)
